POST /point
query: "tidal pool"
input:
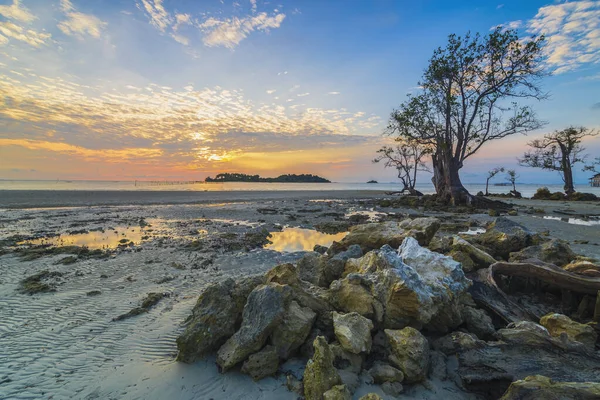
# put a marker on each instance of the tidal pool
(298, 239)
(107, 239)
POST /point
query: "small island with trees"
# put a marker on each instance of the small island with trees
(287, 178)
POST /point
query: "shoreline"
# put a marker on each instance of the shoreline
(24, 199)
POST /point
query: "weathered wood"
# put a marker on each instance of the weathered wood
(486, 293)
(549, 274)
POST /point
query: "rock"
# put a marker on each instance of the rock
(409, 352)
(586, 268)
(293, 330)
(338, 392)
(441, 243)
(353, 331)
(555, 251)
(478, 322)
(311, 268)
(480, 258)
(214, 318)
(336, 264)
(385, 373)
(539, 387)
(457, 341)
(262, 364)
(320, 249)
(505, 236)
(263, 312)
(557, 324)
(394, 389)
(463, 258)
(354, 294)
(371, 396)
(320, 374)
(344, 360)
(375, 235)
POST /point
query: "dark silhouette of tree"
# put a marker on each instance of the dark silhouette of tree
(492, 173)
(558, 151)
(467, 101)
(511, 177)
(288, 178)
(408, 158)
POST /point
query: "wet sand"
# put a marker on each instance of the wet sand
(66, 345)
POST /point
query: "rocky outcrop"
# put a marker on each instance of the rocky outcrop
(353, 331)
(409, 353)
(354, 293)
(320, 374)
(585, 268)
(338, 392)
(321, 270)
(215, 317)
(375, 235)
(263, 312)
(262, 364)
(478, 322)
(558, 324)
(554, 251)
(540, 387)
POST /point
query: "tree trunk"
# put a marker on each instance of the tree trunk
(568, 175)
(446, 180)
(487, 184)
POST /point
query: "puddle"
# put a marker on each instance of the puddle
(236, 222)
(374, 216)
(592, 221)
(473, 231)
(121, 235)
(298, 239)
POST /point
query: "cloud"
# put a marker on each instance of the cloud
(302, 94)
(159, 17)
(79, 24)
(573, 33)
(17, 12)
(271, 91)
(9, 30)
(333, 93)
(596, 106)
(188, 128)
(230, 32)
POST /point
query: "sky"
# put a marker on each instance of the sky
(184, 89)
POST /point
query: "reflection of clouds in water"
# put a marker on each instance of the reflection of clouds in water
(297, 239)
(94, 240)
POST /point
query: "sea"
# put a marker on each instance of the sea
(527, 190)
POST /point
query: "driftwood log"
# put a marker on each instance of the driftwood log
(489, 296)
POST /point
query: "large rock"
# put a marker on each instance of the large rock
(585, 268)
(344, 360)
(557, 324)
(353, 331)
(262, 364)
(555, 251)
(409, 352)
(480, 258)
(416, 287)
(385, 373)
(321, 270)
(374, 235)
(215, 317)
(320, 374)
(504, 237)
(293, 330)
(539, 387)
(263, 312)
(338, 392)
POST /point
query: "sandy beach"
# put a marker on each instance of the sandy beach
(65, 344)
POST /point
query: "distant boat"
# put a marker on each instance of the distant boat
(372, 181)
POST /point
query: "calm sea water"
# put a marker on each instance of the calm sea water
(526, 189)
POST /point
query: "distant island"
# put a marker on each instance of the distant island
(372, 181)
(288, 178)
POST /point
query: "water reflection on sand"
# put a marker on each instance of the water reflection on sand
(100, 239)
(298, 239)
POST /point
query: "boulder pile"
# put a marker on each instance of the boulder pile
(381, 308)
